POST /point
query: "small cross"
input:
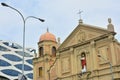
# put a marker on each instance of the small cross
(80, 12)
(47, 29)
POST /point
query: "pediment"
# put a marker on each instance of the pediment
(83, 33)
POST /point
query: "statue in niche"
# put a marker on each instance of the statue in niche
(83, 62)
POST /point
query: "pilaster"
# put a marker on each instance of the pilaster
(112, 48)
(46, 66)
(93, 56)
(72, 60)
(58, 65)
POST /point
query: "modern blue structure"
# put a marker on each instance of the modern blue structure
(11, 55)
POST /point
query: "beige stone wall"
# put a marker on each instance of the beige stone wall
(97, 67)
(67, 64)
(45, 61)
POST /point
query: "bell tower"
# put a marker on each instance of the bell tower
(47, 46)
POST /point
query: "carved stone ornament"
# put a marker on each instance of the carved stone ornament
(81, 36)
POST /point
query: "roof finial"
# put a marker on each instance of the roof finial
(109, 20)
(110, 26)
(47, 29)
(80, 20)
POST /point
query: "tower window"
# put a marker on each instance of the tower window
(40, 72)
(53, 51)
(40, 51)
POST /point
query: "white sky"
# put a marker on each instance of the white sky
(60, 17)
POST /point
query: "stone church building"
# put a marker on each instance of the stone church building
(88, 53)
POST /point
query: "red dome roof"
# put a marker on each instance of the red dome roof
(47, 36)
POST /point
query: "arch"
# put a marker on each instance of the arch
(54, 51)
(41, 51)
(83, 54)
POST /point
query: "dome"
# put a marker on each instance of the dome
(47, 36)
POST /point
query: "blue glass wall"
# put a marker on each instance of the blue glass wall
(11, 57)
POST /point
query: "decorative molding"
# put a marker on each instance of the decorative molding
(81, 36)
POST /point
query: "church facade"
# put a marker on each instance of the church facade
(88, 53)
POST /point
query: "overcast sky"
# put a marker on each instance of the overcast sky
(61, 17)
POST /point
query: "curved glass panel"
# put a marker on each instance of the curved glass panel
(26, 67)
(30, 75)
(21, 53)
(4, 63)
(3, 48)
(12, 45)
(10, 72)
(12, 57)
(29, 61)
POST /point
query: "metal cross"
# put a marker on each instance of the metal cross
(80, 12)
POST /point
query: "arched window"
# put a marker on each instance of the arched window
(53, 51)
(83, 62)
(40, 51)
